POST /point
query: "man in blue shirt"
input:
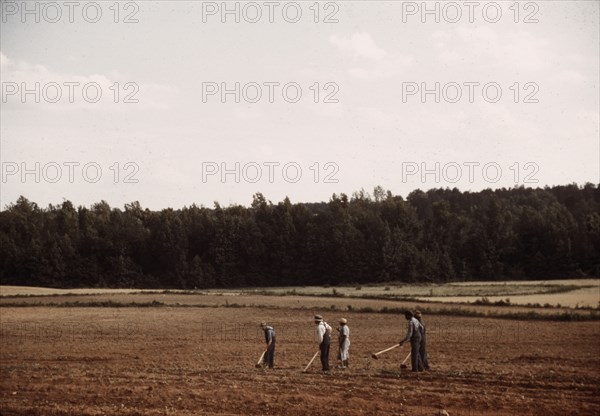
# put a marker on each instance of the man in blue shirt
(413, 334)
(269, 358)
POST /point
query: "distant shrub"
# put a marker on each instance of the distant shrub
(483, 301)
(233, 305)
(505, 302)
(335, 293)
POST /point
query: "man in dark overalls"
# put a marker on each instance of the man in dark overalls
(413, 334)
(423, 349)
(324, 340)
(269, 358)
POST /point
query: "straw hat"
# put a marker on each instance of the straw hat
(318, 318)
(343, 321)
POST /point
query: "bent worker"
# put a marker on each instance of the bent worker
(413, 334)
(324, 341)
(344, 343)
(269, 358)
(423, 349)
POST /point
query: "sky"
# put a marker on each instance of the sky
(172, 103)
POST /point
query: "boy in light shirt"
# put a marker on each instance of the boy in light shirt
(344, 343)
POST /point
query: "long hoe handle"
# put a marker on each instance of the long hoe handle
(406, 359)
(374, 355)
(311, 361)
(261, 357)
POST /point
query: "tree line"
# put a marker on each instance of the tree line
(435, 236)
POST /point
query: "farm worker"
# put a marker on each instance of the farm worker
(270, 340)
(423, 349)
(324, 340)
(413, 334)
(344, 342)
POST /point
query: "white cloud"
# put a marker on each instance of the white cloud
(569, 76)
(374, 116)
(482, 47)
(23, 74)
(4, 61)
(330, 110)
(360, 45)
(380, 63)
(384, 69)
(247, 113)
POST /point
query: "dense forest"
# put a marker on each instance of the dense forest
(434, 236)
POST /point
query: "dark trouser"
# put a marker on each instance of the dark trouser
(270, 355)
(324, 348)
(415, 355)
(423, 354)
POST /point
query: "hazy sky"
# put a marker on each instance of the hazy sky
(370, 59)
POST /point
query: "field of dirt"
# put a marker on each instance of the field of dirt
(175, 360)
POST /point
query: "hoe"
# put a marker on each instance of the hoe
(311, 361)
(259, 363)
(403, 365)
(376, 355)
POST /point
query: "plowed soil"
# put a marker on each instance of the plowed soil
(200, 361)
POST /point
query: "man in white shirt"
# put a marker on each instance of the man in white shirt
(324, 340)
(413, 334)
